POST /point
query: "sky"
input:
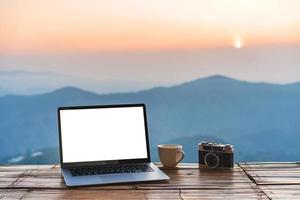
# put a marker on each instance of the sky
(155, 42)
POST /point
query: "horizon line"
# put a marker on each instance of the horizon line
(214, 76)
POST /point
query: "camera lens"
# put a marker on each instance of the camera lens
(211, 160)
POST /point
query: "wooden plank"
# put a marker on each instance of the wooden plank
(17, 168)
(282, 191)
(9, 176)
(190, 178)
(44, 194)
(131, 194)
(12, 194)
(45, 182)
(223, 194)
(273, 173)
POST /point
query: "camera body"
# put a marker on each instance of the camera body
(215, 155)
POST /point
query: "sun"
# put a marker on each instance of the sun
(238, 43)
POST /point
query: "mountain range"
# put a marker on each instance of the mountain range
(261, 120)
(19, 82)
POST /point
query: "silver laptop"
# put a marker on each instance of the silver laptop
(105, 145)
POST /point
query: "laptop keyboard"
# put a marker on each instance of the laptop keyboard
(110, 169)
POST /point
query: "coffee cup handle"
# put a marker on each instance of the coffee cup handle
(182, 156)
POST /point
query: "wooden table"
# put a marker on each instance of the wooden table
(245, 181)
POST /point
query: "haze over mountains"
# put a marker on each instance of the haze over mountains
(21, 82)
(260, 119)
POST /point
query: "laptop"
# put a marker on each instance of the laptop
(105, 145)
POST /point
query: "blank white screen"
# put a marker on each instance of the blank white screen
(103, 134)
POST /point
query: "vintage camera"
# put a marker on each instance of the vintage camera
(215, 155)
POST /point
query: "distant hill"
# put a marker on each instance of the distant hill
(19, 82)
(255, 117)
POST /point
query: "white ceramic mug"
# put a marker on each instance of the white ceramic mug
(170, 154)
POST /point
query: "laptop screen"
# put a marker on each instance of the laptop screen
(103, 134)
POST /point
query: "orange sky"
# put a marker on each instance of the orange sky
(47, 26)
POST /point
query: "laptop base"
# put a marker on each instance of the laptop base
(104, 179)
